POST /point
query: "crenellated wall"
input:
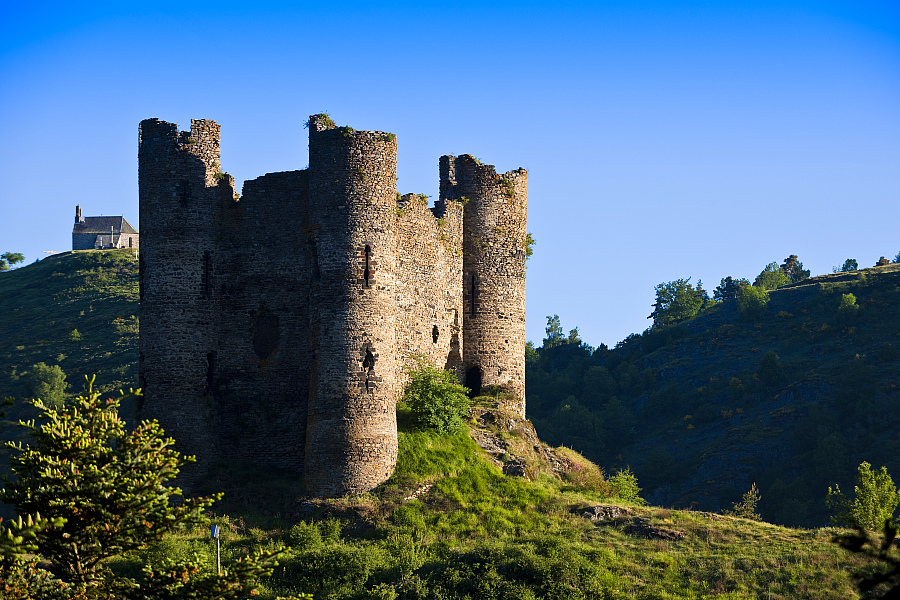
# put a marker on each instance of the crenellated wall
(276, 327)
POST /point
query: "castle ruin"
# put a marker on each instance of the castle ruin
(276, 325)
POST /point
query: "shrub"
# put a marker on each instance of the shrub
(752, 301)
(746, 508)
(772, 277)
(435, 397)
(874, 502)
(770, 371)
(625, 486)
(75, 336)
(48, 383)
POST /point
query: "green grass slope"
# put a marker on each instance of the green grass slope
(42, 304)
(700, 413)
(450, 524)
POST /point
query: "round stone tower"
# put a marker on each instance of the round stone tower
(494, 238)
(351, 435)
(180, 188)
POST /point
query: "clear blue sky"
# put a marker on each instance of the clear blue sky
(662, 139)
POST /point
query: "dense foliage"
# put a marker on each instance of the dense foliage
(435, 397)
(103, 493)
(793, 399)
(874, 502)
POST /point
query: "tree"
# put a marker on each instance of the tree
(728, 288)
(746, 508)
(752, 301)
(849, 265)
(677, 301)
(103, 490)
(555, 336)
(897, 258)
(13, 257)
(435, 397)
(771, 277)
(105, 482)
(793, 268)
(625, 486)
(48, 383)
(874, 502)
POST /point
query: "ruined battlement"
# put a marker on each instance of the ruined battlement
(276, 325)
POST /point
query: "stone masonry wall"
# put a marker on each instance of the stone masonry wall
(428, 273)
(260, 376)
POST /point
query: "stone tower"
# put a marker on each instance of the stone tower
(277, 326)
(351, 439)
(179, 195)
(494, 231)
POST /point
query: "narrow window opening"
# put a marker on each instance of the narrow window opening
(367, 273)
(130, 243)
(211, 359)
(184, 192)
(435, 334)
(369, 360)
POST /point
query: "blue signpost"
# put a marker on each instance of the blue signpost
(214, 533)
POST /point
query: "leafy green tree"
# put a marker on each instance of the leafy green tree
(897, 258)
(13, 258)
(435, 397)
(752, 301)
(771, 277)
(746, 508)
(847, 309)
(4, 266)
(849, 265)
(555, 336)
(874, 503)
(677, 301)
(103, 490)
(728, 288)
(625, 486)
(793, 268)
(48, 383)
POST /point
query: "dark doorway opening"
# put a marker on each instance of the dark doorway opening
(473, 381)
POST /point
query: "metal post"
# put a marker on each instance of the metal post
(214, 533)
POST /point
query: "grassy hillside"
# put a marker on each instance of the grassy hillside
(41, 305)
(450, 524)
(78, 310)
(493, 512)
(793, 401)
